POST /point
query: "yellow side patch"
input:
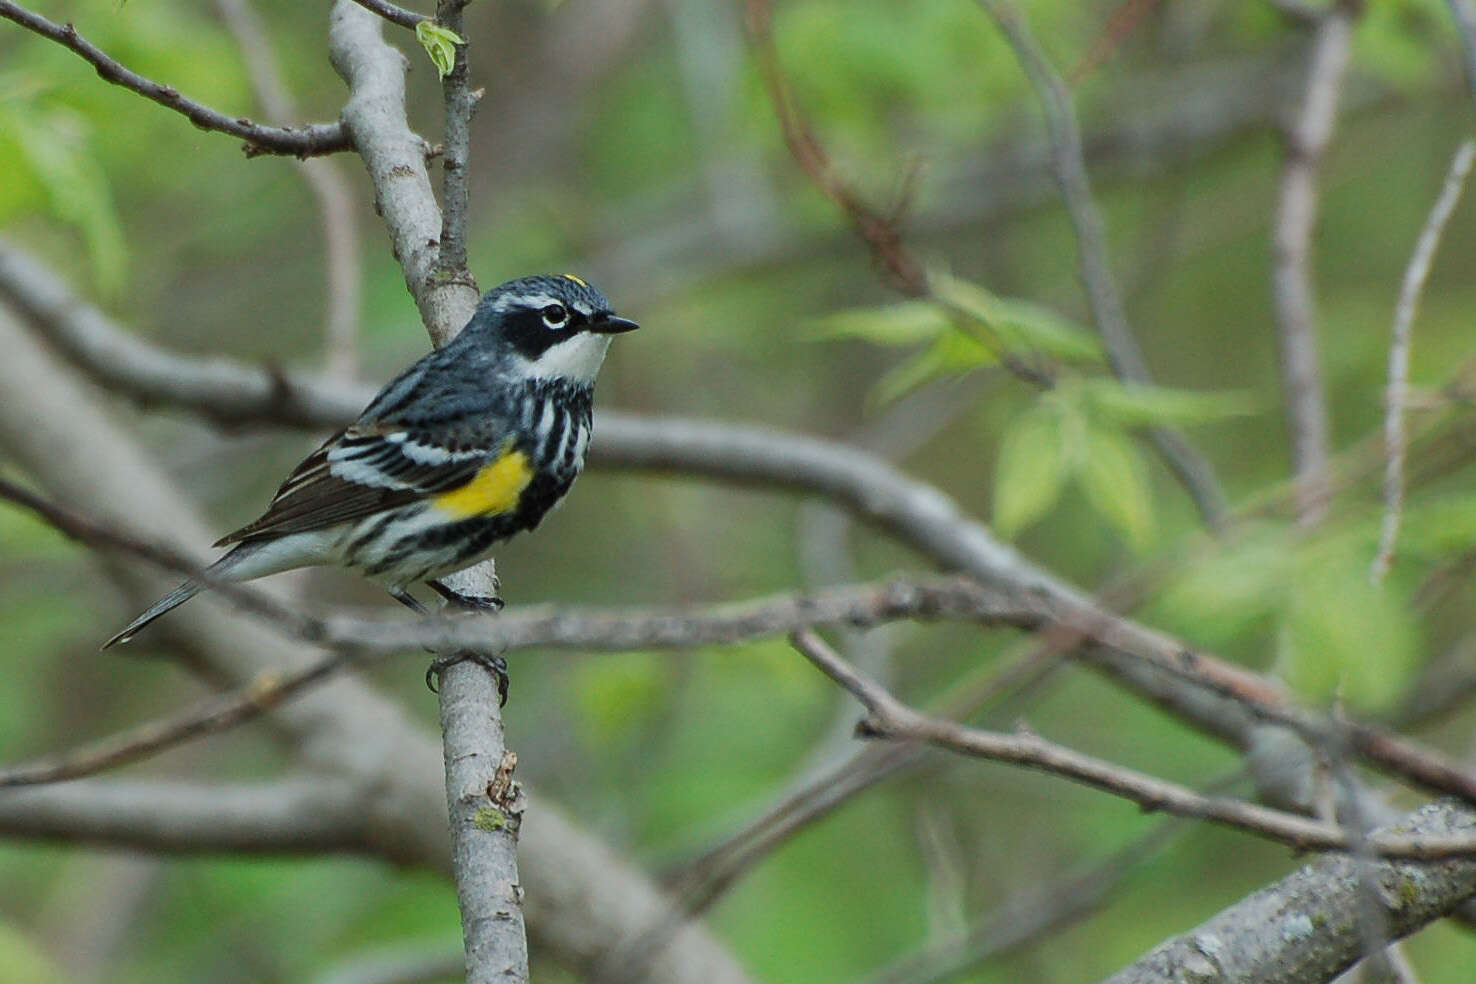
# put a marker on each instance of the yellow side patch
(493, 490)
(570, 276)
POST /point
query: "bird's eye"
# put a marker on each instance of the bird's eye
(556, 315)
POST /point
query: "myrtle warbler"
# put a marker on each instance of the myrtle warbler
(473, 443)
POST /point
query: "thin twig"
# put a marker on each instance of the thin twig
(1193, 471)
(1292, 294)
(301, 141)
(1405, 309)
(393, 13)
(461, 103)
(324, 179)
(149, 739)
(889, 718)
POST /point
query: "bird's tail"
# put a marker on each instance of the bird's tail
(234, 566)
(163, 606)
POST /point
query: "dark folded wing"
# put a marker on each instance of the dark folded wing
(359, 472)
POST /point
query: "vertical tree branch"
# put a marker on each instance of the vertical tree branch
(461, 102)
(1404, 314)
(1293, 299)
(486, 810)
(430, 244)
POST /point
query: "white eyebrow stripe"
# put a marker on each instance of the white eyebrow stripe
(509, 301)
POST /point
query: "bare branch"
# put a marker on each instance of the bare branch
(302, 141)
(1304, 927)
(327, 183)
(1193, 471)
(302, 815)
(1292, 294)
(393, 13)
(889, 718)
(486, 808)
(223, 390)
(1404, 314)
(461, 102)
(144, 741)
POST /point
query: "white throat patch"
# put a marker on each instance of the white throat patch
(577, 358)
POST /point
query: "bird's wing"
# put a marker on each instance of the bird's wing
(373, 466)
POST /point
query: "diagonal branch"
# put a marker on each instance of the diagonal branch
(1304, 927)
(889, 718)
(302, 141)
(393, 13)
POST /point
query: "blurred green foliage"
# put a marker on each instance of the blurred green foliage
(598, 167)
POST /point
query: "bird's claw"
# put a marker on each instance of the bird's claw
(492, 663)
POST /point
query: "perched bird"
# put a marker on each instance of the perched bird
(473, 443)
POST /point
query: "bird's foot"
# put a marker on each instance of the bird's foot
(491, 662)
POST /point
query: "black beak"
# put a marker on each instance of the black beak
(610, 325)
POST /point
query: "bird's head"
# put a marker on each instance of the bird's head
(557, 326)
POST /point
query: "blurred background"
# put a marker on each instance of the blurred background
(632, 142)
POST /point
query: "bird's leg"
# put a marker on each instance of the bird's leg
(473, 603)
(493, 663)
(408, 600)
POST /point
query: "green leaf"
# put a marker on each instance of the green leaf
(1219, 596)
(55, 152)
(1130, 405)
(1018, 326)
(1342, 635)
(908, 323)
(440, 43)
(1115, 482)
(952, 354)
(1034, 461)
